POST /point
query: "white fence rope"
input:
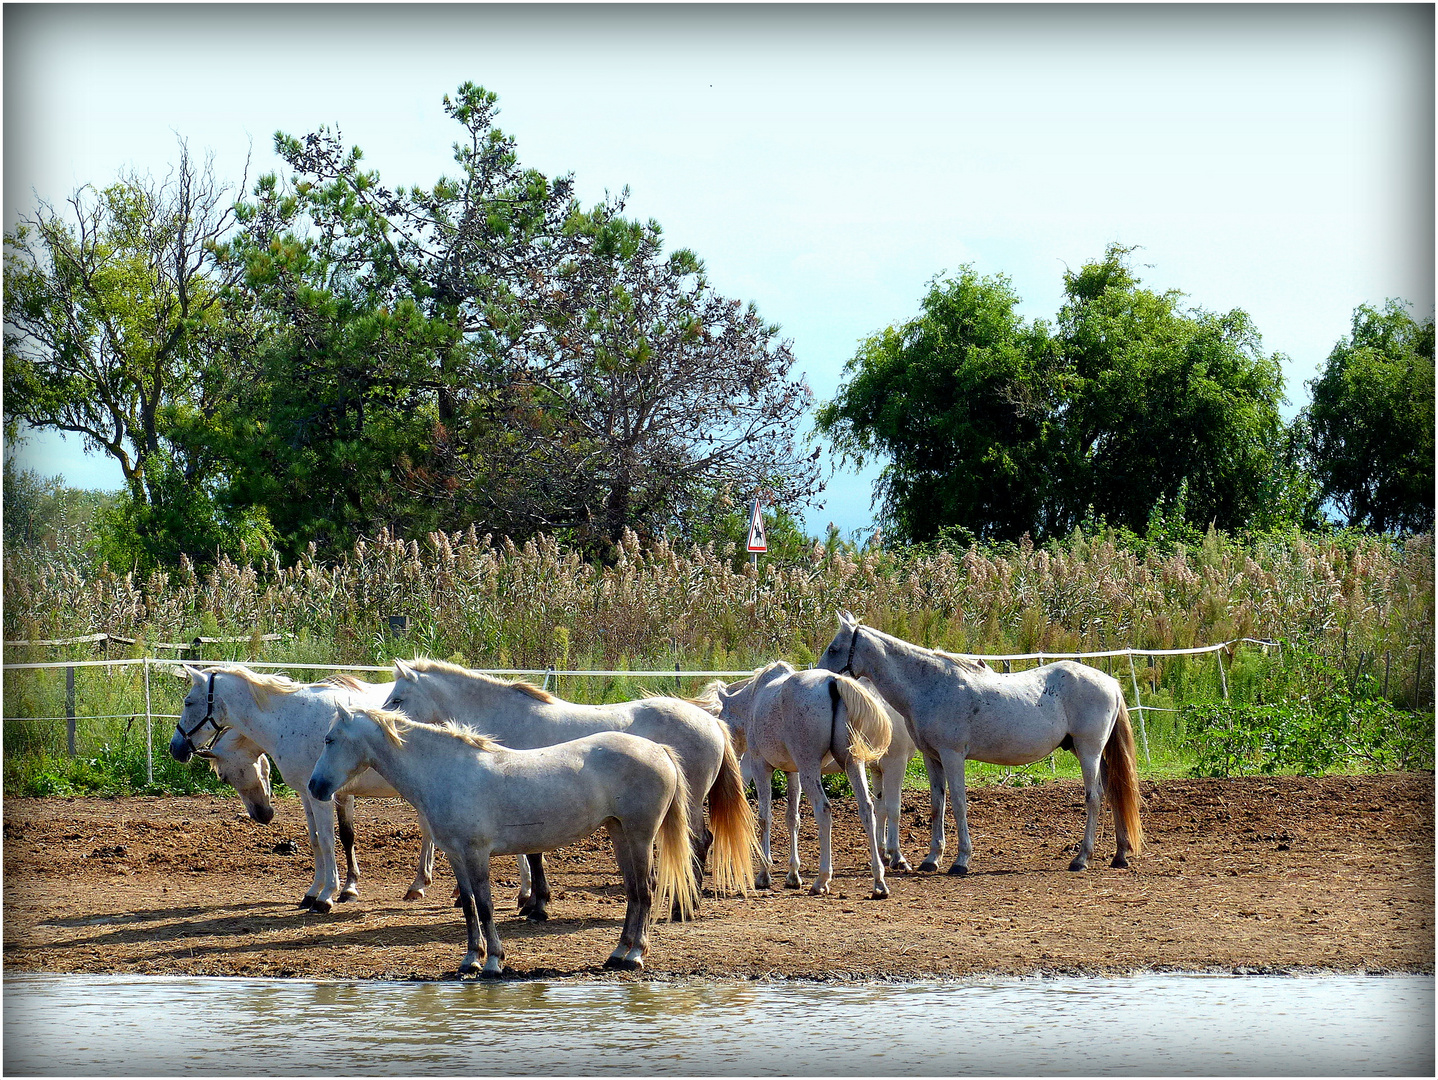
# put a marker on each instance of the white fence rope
(554, 673)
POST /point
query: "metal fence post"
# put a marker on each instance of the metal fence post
(70, 708)
(1222, 678)
(149, 730)
(1138, 708)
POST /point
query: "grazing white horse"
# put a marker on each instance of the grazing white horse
(482, 799)
(287, 720)
(522, 716)
(243, 765)
(961, 710)
(795, 721)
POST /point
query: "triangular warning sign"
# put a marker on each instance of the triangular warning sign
(757, 542)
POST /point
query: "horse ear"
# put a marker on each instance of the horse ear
(402, 670)
(846, 617)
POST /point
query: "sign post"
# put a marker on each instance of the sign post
(757, 541)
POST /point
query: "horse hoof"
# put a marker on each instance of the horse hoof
(958, 871)
(348, 895)
(1079, 864)
(614, 963)
(414, 894)
(818, 890)
(763, 881)
(793, 882)
(306, 902)
(321, 907)
(901, 864)
(537, 915)
(1119, 863)
(879, 894)
(928, 866)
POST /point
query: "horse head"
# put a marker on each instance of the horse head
(243, 765)
(341, 757)
(839, 656)
(197, 715)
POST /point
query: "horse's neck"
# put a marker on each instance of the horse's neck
(411, 769)
(258, 723)
(898, 668)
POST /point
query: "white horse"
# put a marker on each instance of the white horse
(482, 799)
(241, 763)
(795, 721)
(522, 716)
(287, 720)
(961, 710)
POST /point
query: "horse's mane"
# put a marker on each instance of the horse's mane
(425, 665)
(394, 724)
(345, 682)
(261, 686)
(967, 661)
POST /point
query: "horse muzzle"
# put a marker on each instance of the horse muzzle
(321, 788)
(262, 814)
(181, 748)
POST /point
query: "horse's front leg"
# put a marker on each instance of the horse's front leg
(320, 816)
(424, 873)
(860, 783)
(345, 811)
(792, 880)
(526, 885)
(1093, 799)
(636, 868)
(934, 767)
(764, 794)
(953, 763)
(824, 817)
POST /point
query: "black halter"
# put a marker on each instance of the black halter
(208, 718)
(848, 668)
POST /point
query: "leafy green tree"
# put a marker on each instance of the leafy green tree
(1161, 400)
(1371, 421)
(116, 329)
(1130, 406)
(960, 400)
(588, 383)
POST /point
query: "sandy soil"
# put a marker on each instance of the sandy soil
(1266, 875)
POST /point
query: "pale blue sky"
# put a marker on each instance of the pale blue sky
(825, 162)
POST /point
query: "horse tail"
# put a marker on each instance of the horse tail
(869, 729)
(675, 886)
(1120, 763)
(732, 823)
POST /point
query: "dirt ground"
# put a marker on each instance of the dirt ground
(1261, 875)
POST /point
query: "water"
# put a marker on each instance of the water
(1145, 1025)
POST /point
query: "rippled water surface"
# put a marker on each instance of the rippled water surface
(1144, 1025)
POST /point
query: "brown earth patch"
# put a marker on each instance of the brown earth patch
(1265, 874)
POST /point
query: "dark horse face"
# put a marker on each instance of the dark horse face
(194, 714)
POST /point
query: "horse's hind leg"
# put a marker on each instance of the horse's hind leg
(858, 781)
(764, 793)
(539, 896)
(345, 811)
(634, 867)
(953, 766)
(889, 800)
(472, 873)
(934, 767)
(526, 885)
(1122, 846)
(320, 816)
(824, 816)
(1093, 799)
(792, 880)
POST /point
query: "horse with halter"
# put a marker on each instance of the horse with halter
(959, 710)
(287, 721)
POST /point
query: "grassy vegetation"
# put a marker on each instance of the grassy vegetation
(1363, 605)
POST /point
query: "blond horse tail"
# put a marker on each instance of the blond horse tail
(675, 886)
(731, 855)
(869, 726)
(1122, 768)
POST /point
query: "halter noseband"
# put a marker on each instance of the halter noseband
(208, 718)
(848, 668)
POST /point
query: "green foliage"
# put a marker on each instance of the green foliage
(42, 513)
(1130, 407)
(1371, 422)
(1320, 721)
